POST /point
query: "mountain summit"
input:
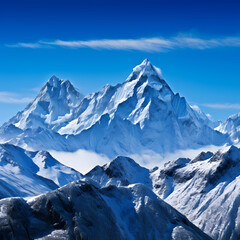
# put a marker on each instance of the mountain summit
(142, 113)
(53, 105)
(146, 72)
(146, 68)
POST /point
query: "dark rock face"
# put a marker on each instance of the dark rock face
(202, 156)
(16, 208)
(79, 210)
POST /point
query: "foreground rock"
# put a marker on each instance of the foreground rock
(80, 210)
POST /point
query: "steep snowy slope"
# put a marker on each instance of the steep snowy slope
(24, 173)
(79, 210)
(18, 175)
(139, 114)
(205, 189)
(231, 127)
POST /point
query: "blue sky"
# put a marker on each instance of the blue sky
(195, 43)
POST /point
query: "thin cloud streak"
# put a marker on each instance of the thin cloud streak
(141, 44)
(144, 44)
(222, 105)
(27, 45)
(8, 97)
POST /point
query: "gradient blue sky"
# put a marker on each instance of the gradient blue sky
(195, 43)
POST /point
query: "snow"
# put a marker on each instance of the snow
(79, 210)
(140, 118)
(122, 171)
(25, 173)
(50, 168)
(147, 68)
(206, 190)
(52, 107)
(138, 115)
(231, 127)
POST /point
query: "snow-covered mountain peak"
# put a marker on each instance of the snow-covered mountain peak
(58, 87)
(54, 81)
(123, 166)
(53, 106)
(231, 127)
(26, 173)
(146, 64)
(146, 68)
(122, 171)
(142, 110)
(145, 79)
(121, 162)
(147, 73)
(233, 153)
(203, 156)
(206, 190)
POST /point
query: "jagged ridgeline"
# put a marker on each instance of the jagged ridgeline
(141, 113)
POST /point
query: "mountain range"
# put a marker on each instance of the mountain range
(205, 189)
(40, 198)
(138, 115)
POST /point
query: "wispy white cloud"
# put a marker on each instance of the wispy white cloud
(222, 105)
(142, 44)
(27, 45)
(8, 97)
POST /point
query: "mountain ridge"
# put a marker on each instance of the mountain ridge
(132, 212)
(26, 173)
(142, 109)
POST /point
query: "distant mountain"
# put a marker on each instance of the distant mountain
(51, 109)
(139, 114)
(80, 210)
(231, 127)
(25, 173)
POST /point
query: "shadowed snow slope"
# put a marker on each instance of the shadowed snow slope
(25, 173)
(80, 210)
(142, 113)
